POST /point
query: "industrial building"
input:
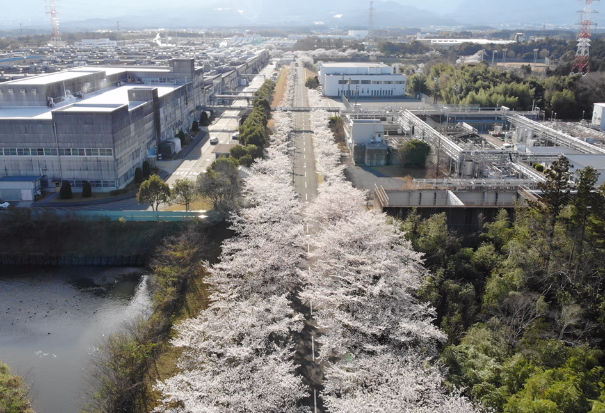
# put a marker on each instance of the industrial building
(364, 138)
(361, 79)
(98, 124)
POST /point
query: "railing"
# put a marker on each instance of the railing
(136, 216)
(557, 137)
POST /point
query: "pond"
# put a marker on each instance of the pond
(53, 319)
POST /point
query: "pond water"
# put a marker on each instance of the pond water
(53, 319)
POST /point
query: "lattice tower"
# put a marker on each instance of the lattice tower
(55, 36)
(581, 64)
(371, 21)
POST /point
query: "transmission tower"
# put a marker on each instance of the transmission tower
(371, 21)
(581, 64)
(55, 37)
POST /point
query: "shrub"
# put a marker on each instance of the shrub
(195, 126)
(238, 151)
(246, 160)
(65, 192)
(539, 167)
(138, 176)
(312, 82)
(86, 189)
(146, 169)
(414, 152)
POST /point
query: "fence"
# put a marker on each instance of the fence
(138, 216)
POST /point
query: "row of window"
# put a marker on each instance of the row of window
(362, 91)
(373, 82)
(55, 152)
(76, 183)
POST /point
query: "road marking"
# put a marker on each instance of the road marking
(305, 165)
(306, 197)
(305, 174)
(305, 184)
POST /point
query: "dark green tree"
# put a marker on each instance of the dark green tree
(238, 151)
(86, 189)
(138, 176)
(65, 191)
(414, 153)
(146, 169)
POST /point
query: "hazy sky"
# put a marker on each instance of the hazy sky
(31, 13)
(25, 10)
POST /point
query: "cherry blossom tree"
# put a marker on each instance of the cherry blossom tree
(388, 383)
(238, 353)
(236, 359)
(362, 284)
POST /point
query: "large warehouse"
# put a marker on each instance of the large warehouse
(95, 124)
(99, 123)
(366, 79)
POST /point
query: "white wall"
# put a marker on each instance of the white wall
(363, 130)
(369, 85)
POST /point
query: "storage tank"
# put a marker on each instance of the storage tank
(529, 133)
(520, 135)
(469, 168)
(498, 129)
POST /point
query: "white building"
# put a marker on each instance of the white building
(94, 43)
(362, 79)
(597, 116)
(358, 34)
(365, 139)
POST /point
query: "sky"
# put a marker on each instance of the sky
(31, 13)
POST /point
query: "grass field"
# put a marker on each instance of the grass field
(201, 205)
(280, 88)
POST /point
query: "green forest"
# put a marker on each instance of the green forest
(522, 302)
(568, 96)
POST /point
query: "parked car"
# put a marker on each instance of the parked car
(4, 205)
(235, 135)
(213, 140)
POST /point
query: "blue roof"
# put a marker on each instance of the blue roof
(26, 178)
(14, 59)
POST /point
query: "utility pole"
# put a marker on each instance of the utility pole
(493, 57)
(504, 51)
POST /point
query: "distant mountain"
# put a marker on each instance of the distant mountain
(515, 12)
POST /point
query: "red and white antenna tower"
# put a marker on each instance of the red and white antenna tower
(581, 64)
(55, 37)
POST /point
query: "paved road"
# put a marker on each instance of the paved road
(201, 156)
(305, 176)
(305, 184)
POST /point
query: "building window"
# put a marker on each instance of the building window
(388, 82)
(366, 82)
(377, 82)
(342, 82)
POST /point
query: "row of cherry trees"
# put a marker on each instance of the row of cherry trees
(379, 339)
(238, 353)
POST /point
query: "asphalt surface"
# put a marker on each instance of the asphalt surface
(305, 184)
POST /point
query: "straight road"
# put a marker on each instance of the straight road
(305, 175)
(305, 184)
